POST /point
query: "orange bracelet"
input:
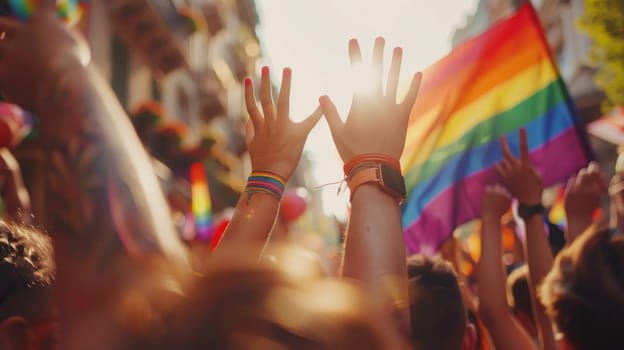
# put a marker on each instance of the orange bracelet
(371, 157)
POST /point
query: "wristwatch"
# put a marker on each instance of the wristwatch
(389, 180)
(528, 211)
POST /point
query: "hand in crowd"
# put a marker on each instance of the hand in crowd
(583, 191)
(525, 183)
(504, 328)
(582, 197)
(32, 53)
(496, 202)
(376, 123)
(275, 142)
(519, 175)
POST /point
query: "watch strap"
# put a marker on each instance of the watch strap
(528, 211)
(375, 173)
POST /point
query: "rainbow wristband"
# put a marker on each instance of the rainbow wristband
(265, 182)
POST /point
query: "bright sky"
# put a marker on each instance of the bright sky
(311, 37)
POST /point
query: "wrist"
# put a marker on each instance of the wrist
(530, 211)
(266, 183)
(381, 173)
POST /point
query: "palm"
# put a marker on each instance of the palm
(376, 123)
(275, 143)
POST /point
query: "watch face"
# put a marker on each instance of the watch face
(393, 180)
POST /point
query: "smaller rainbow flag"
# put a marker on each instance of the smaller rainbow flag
(557, 214)
(200, 202)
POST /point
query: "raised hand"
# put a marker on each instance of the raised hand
(582, 198)
(32, 53)
(583, 192)
(525, 184)
(495, 203)
(376, 122)
(521, 178)
(275, 143)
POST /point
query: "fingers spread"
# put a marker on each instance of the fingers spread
(393, 75)
(266, 98)
(252, 108)
(412, 94)
(378, 51)
(355, 55)
(283, 101)
(309, 122)
(507, 155)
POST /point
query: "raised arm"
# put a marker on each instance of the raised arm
(370, 142)
(525, 184)
(582, 198)
(275, 144)
(505, 330)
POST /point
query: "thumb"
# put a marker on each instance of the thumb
(331, 114)
(309, 122)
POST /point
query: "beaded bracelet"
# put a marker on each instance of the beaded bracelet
(265, 182)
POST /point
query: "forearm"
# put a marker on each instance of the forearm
(375, 251)
(490, 273)
(576, 225)
(251, 224)
(540, 261)
(505, 330)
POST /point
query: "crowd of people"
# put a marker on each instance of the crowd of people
(103, 276)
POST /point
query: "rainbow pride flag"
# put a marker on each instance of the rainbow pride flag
(201, 204)
(486, 88)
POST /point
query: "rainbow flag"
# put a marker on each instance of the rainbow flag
(557, 214)
(200, 202)
(486, 88)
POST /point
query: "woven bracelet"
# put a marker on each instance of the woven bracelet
(265, 182)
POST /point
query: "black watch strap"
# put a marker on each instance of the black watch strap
(528, 211)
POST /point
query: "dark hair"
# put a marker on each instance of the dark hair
(26, 272)
(437, 309)
(518, 291)
(584, 291)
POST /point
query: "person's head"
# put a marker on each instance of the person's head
(519, 298)
(26, 280)
(584, 292)
(437, 309)
(242, 303)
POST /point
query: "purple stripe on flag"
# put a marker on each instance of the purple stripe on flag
(460, 203)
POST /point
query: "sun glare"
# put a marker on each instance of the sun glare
(363, 79)
(311, 37)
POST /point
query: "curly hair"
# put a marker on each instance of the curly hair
(27, 271)
(584, 291)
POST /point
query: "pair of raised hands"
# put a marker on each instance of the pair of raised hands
(376, 122)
